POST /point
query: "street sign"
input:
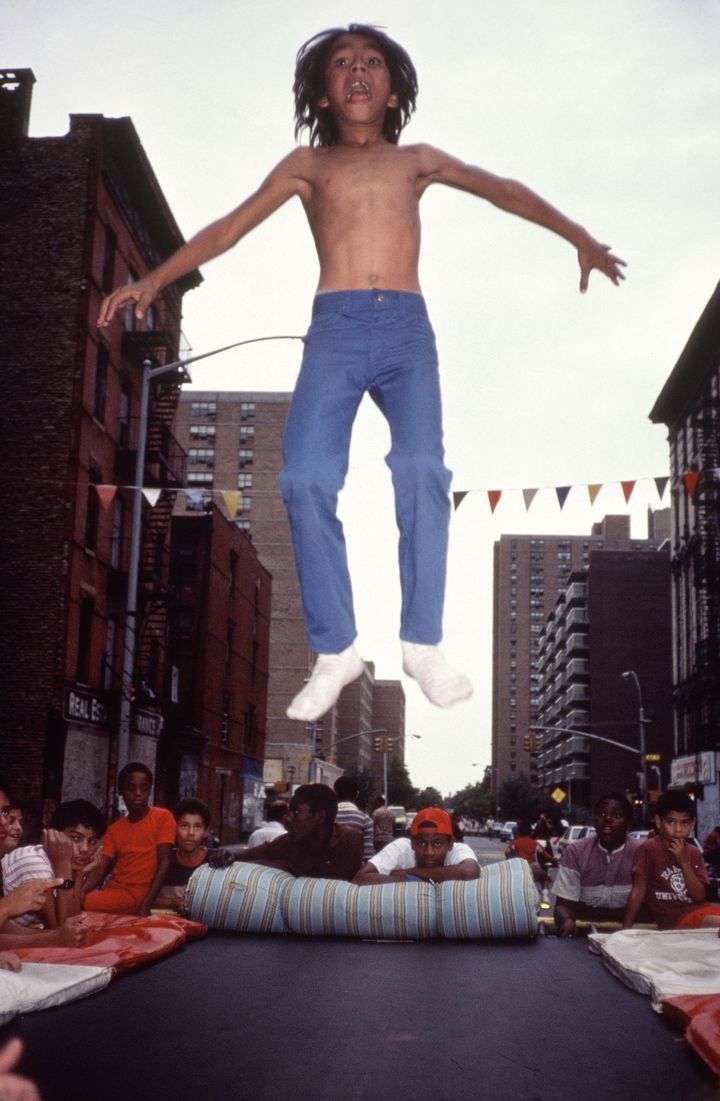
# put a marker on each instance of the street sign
(558, 795)
(653, 757)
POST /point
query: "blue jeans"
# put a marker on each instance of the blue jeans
(380, 342)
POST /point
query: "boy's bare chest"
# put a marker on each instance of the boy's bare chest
(358, 179)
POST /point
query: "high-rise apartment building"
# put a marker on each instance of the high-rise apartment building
(234, 448)
(530, 572)
(604, 668)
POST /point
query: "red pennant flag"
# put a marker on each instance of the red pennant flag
(494, 496)
(691, 480)
(458, 497)
(562, 493)
(661, 486)
(106, 494)
(627, 488)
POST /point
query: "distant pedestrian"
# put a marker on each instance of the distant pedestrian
(383, 824)
(275, 815)
(349, 814)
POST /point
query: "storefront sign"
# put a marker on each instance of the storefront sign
(149, 723)
(695, 768)
(83, 706)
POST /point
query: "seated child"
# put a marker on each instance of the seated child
(430, 853)
(669, 872)
(529, 848)
(136, 850)
(14, 827)
(189, 852)
(69, 852)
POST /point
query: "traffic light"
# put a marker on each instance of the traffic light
(382, 744)
(530, 743)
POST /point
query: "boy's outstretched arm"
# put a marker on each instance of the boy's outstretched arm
(286, 179)
(516, 198)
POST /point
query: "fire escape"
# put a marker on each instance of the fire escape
(164, 470)
(699, 694)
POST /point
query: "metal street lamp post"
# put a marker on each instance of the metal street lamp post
(630, 674)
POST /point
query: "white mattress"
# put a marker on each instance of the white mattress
(662, 963)
(42, 985)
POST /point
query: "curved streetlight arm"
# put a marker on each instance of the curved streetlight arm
(584, 734)
(349, 737)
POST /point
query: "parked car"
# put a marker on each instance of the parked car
(400, 817)
(642, 835)
(508, 831)
(409, 819)
(574, 833)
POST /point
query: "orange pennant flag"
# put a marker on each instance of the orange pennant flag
(458, 497)
(106, 494)
(494, 496)
(528, 497)
(691, 480)
(627, 488)
(593, 491)
(231, 497)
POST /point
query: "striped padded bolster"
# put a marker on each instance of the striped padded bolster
(501, 903)
(331, 907)
(244, 898)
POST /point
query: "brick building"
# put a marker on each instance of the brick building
(530, 572)
(612, 617)
(218, 645)
(82, 213)
(689, 404)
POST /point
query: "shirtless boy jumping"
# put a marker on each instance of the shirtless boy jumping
(355, 91)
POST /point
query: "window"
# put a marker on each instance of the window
(203, 409)
(204, 455)
(124, 416)
(244, 504)
(107, 278)
(232, 568)
(129, 320)
(244, 481)
(202, 431)
(109, 655)
(229, 639)
(247, 432)
(200, 477)
(225, 721)
(244, 526)
(247, 409)
(245, 456)
(101, 377)
(87, 611)
(250, 728)
(92, 514)
(116, 544)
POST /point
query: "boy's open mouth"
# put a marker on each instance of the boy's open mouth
(358, 91)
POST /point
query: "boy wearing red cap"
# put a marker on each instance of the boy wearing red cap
(429, 853)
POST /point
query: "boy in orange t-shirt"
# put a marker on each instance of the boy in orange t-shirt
(136, 850)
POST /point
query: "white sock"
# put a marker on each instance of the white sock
(442, 685)
(330, 674)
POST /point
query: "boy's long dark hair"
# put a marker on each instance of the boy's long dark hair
(309, 84)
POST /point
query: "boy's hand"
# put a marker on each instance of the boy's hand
(220, 858)
(10, 962)
(676, 846)
(72, 933)
(94, 863)
(142, 293)
(594, 255)
(60, 852)
(30, 896)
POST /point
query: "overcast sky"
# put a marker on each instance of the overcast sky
(610, 110)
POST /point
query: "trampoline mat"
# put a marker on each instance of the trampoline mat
(234, 1018)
